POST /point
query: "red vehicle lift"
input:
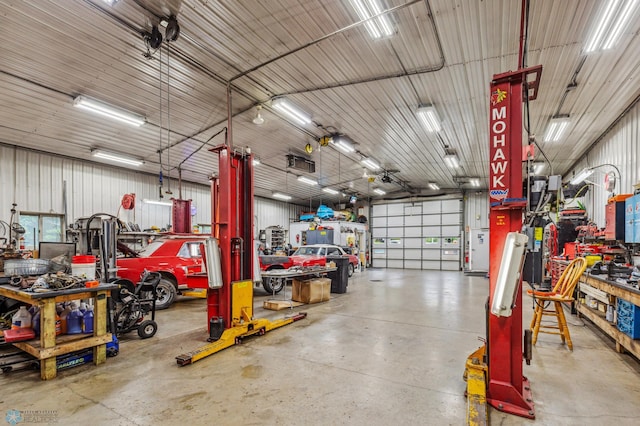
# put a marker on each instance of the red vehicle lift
(230, 304)
(494, 371)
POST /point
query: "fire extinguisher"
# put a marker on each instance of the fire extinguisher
(21, 243)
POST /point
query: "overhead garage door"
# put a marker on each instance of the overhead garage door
(418, 235)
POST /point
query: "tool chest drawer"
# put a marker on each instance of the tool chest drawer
(628, 318)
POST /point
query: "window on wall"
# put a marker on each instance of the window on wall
(41, 227)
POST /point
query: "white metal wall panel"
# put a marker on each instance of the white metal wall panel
(395, 253)
(379, 210)
(379, 232)
(392, 263)
(379, 222)
(413, 220)
(412, 264)
(450, 265)
(395, 232)
(413, 232)
(413, 242)
(450, 231)
(413, 253)
(395, 221)
(428, 254)
(477, 210)
(451, 219)
(451, 206)
(431, 264)
(431, 219)
(413, 210)
(395, 209)
(431, 207)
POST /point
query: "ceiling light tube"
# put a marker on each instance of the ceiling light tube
(474, 182)
(110, 2)
(451, 160)
(330, 191)
(106, 110)
(371, 164)
(117, 158)
(377, 28)
(343, 144)
(379, 191)
(557, 127)
(255, 161)
(294, 112)
(434, 186)
(580, 177)
(619, 24)
(281, 196)
(158, 203)
(307, 180)
(429, 118)
(614, 18)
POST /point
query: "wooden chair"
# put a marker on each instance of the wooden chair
(561, 293)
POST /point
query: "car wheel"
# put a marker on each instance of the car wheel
(351, 269)
(147, 329)
(273, 285)
(165, 294)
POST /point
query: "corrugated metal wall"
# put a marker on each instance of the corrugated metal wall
(621, 148)
(476, 209)
(35, 182)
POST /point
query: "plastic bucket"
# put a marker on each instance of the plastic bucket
(84, 266)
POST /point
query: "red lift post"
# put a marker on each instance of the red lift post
(230, 306)
(494, 371)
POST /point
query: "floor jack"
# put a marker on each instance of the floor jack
(229, 259)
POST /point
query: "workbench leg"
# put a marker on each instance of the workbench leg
(100, 326)
(48, 337)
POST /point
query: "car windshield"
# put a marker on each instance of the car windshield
(305, 251)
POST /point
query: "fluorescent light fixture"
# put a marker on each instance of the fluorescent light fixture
(343, 144)
(474, 182)
(429, 118)
(111, 2)
(434, 186)
(307, 180)
(255, 161)
(371, 164)
(281, 196)
(377, 28)
(451, 160)
(118, 158)
(158, 203)
(293, 111)
(379, 191)
(557, 127)
(330, 191)
(615, 16)
(580, 177)
(106, 110)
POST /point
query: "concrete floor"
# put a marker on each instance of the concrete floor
(390, 351)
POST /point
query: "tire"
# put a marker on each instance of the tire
(147, 329)
(351, 269)
(166, 294)
(273, 285)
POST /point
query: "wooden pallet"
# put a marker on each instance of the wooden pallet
(278, 305)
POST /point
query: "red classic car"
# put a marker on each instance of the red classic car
(173, 256)
(177, 256)
(316, 254)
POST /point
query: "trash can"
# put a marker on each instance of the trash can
(340, 277)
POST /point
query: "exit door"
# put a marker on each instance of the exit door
(479, 250)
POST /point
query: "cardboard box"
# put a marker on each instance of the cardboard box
(311, 291)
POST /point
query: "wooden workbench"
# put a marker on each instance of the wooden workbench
(613, 290)
(49, 346)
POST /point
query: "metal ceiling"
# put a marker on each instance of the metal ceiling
(318, 54)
